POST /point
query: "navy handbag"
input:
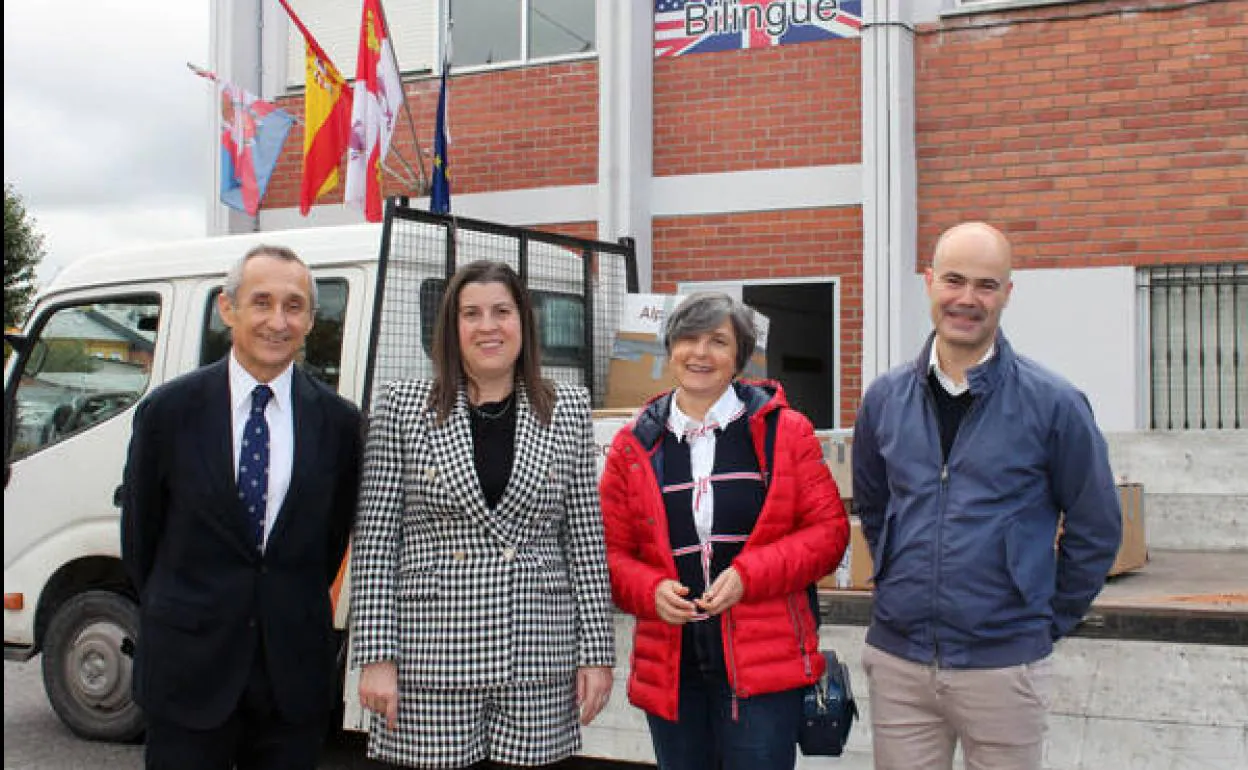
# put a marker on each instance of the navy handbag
(828, 711)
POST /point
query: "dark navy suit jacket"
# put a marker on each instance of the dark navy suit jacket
(208, 596)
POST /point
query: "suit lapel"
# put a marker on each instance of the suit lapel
(529, 468)
(452, 446)
(308, 421)
(214, 422)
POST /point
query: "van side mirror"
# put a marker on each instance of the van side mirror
(19, 342)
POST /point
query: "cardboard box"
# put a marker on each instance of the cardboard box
(854, 572)
(638, 368)
(1133, 550)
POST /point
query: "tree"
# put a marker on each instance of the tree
(23, 249)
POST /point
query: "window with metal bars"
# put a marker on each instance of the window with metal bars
(1197, 356)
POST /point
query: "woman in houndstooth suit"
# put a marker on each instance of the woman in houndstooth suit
(480, 597)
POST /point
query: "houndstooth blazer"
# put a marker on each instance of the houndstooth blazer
(462, 596)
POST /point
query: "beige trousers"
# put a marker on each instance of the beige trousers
(919, 712)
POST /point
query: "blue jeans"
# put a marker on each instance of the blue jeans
(705, 736)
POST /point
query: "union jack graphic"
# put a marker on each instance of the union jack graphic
(702, 26)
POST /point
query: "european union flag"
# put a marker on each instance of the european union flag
(440, 195)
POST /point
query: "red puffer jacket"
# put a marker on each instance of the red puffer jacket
(770, 639)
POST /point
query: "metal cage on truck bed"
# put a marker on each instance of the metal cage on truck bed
(577, 286)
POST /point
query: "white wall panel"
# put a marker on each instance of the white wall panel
(1080, 323)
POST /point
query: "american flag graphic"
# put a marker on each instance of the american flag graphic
(728, 25)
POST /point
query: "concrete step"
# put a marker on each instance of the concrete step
(1195, 522)
(1139, 705)
(1155, 679)
(1182, 462)
(1195, 488)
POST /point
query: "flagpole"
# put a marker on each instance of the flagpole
(407, 108)
(439, 188)
(408, 178)
(307, 36)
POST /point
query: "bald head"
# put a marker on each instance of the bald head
(969, 285)
(975, 238)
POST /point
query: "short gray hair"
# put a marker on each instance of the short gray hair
(705, 311)
(234, 276)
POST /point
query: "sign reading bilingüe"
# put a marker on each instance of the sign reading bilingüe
(702, 26)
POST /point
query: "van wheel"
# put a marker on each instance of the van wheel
(86, 673)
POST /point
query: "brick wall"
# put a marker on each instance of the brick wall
(1093, 135)
(510, 129)
(781, 107)
(774, 244)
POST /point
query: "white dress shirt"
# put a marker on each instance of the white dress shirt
(954, 389)
(281, 419)
(701, 438)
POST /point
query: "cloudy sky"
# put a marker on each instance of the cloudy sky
(106, 133)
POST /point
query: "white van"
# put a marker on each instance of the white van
(111, 327)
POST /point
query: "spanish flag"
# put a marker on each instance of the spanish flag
(326, 119)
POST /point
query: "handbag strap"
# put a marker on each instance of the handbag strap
(771, 423)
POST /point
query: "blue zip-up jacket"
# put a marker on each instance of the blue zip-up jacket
(964, 565)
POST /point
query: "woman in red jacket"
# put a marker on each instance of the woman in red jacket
(720, 513)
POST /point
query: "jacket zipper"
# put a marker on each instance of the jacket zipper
(732, 665)
(929, 400)
(944, 502)
(795, 616)
(940, 529)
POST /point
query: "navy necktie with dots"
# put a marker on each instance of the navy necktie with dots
(253, 464)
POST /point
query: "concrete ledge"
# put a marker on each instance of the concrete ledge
(1098, 744)
(1149, 705)
(1182, 462)
(1186, 625)
(1196, 522)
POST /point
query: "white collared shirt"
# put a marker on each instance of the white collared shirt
(280, 416)
(954, 389)
(701, 437)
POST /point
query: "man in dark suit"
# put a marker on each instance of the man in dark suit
(240, 491)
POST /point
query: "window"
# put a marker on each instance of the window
(996, 5)
(322, 354)
(560, 322)
(501, 31)
(88, 363)
(1198, 345)
(966, 7)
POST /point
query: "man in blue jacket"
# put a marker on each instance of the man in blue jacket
(964, 460)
